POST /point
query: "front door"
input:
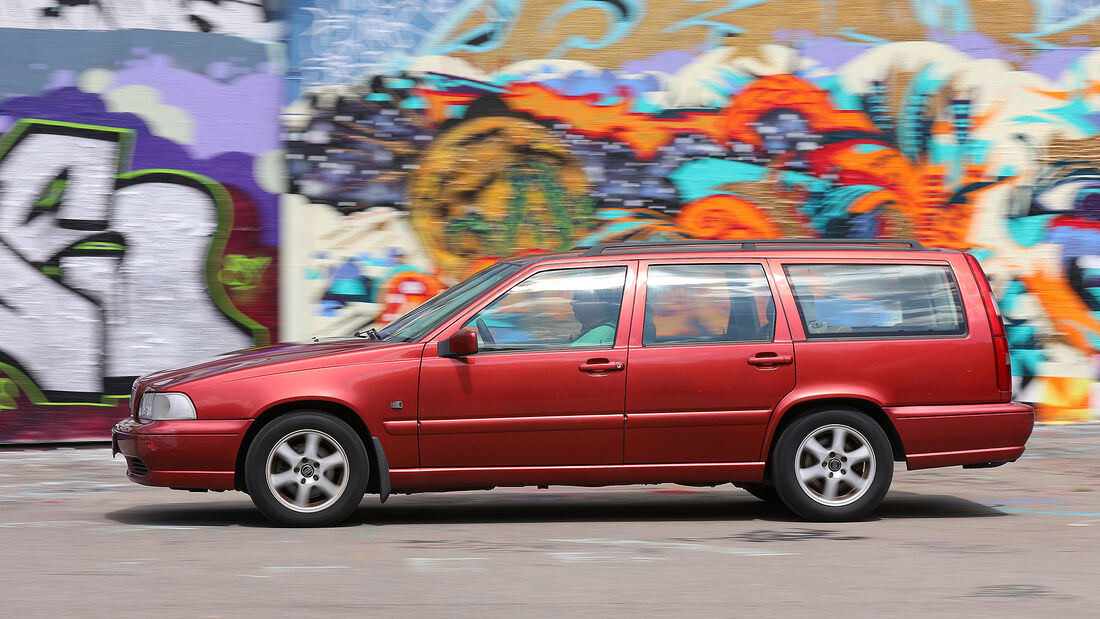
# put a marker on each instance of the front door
(710, 357)
(546, 386)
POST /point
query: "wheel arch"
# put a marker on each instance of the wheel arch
(808, 406)
(336, 409)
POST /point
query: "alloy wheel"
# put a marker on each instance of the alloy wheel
(307, 471)
(835, 465)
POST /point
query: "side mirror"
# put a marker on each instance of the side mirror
(461, 343)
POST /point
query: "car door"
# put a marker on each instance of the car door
(710, 357)
(543, 388)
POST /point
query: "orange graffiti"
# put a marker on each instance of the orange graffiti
(643, 132)
(1071, 317)
(726, 217)
(405, 291)
(1091, 88)
(773, 92)
(440, 103)
(918, 197)
(917, 189)
(1065, 400)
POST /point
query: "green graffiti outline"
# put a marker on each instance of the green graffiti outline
(224, 204)
(51, 197)
(35, 395)
(9, 392)
(124, 160)
(126, 137)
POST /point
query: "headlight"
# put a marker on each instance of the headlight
(155, 405)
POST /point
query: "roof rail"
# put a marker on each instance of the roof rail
(747, 244)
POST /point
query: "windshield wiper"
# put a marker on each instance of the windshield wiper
(370, 334)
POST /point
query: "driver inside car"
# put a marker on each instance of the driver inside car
(598, 313)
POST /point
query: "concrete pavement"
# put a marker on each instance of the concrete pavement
(1019, 540)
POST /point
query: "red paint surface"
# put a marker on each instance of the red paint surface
(697, 413)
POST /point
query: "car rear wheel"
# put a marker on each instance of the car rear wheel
(306, 469)
(833, 465)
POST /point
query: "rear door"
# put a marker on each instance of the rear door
(710, 357)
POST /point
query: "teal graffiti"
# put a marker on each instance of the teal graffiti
(833, 205)
(1076, 113)
(953, 15)
(700, 178)
(1025, 353)
(622, 15)
(1055, 16)
(1029, 231)
(716, 30)
(500, 18)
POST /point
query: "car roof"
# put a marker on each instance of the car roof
(896, 247)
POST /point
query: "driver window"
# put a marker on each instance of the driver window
(560, 309)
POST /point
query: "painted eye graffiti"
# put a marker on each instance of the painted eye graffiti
(1073, 200)
(1077, 194)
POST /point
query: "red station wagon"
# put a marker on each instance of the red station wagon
(798, 370)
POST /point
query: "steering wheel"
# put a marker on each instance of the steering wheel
(483, 331)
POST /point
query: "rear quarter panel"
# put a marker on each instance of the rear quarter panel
(903, 371)
(893, 372)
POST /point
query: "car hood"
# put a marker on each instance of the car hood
(261, 357)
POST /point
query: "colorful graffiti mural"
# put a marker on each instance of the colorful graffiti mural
(597, 121)
(235, 172)
(138, 230)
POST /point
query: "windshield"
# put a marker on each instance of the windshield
(427, 316)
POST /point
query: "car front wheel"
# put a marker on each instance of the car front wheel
(833, 465)
(306, 469)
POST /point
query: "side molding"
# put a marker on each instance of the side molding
(383, 470)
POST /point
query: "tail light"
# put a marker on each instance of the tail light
(1001, 356)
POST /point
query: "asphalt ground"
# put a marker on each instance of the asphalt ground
(79, 540)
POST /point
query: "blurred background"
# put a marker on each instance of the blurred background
(180, 178)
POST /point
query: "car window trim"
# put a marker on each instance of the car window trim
(781, 332)
(763, 271)
(781, 265)
(621, 334)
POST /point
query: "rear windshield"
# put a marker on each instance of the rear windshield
(877, 300)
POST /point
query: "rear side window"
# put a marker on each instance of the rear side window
(877, 300)
(707, 304)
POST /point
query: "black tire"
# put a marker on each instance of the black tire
(862, 476)
(762, 491)
(317, 467)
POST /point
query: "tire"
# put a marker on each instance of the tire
(328, 452)
(762, 491)
(806, 460)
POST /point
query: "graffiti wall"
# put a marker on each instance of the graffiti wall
(427, 137)
(181, 178)
(139, 179)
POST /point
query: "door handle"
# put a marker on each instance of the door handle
(768, 358)
(601, 367)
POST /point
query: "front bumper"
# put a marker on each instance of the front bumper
(962, 434)
(191, 453)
